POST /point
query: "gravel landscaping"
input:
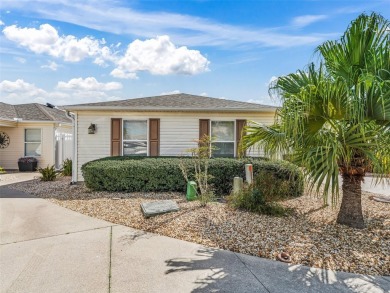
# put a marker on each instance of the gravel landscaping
(309, 234)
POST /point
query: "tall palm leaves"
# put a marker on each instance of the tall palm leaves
(336, 116)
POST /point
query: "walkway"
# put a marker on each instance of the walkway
(47, 248)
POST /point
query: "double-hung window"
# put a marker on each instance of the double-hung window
(32, 142)
(135, 138)
(222, 133)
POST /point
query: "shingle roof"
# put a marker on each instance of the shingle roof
(32, 112)
(175, 102)
(7, 111)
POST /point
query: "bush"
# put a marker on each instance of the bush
(48, 173)
(253, 200)
(67, 168)
(275, 186)
(26, 160)
(164, 174)
(2, 171)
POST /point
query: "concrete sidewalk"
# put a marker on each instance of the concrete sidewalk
(47, 248)
(370, 184)
(16, 177)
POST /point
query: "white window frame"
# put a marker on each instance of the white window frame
(234, 135)
(131, 140)
(25, 142)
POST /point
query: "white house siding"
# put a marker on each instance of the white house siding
(177, 131)
(10, 155)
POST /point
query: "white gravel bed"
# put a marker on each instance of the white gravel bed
(310, 234)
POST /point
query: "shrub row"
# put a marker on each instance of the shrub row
(163, 174)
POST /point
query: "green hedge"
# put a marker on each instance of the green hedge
(164, 174)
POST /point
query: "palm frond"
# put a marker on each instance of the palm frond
(270, 139)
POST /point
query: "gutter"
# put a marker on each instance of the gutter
(7, 119)
(20, 120)
(155, 109)
(74, 145)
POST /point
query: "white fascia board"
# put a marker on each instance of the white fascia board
(154, 109)
(44, 122)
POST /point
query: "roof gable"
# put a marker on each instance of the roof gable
(7, 111)
(32, 112)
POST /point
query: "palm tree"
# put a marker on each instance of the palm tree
(335, 117)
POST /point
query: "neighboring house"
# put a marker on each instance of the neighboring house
(160, 126)
(34, 130)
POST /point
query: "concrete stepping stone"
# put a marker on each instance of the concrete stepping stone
(154, 208)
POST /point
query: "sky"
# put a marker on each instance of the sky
(70, 52)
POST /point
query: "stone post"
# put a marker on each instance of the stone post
(238, 183)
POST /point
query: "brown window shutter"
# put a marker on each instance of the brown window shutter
(240, 124)
(116, 136)
(204, 128)
(154, 137)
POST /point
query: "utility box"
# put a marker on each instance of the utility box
(191, 190)
(249, 173)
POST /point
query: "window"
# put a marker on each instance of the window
(135, 138)
(32, 142)
(222, 133)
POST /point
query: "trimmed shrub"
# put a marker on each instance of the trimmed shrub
(164, 174)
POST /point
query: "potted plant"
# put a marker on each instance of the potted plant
(27, 164)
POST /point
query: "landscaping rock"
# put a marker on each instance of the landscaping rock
(310, 235)
(154, 208)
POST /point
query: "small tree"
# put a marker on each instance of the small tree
(335, 117)
(200, 164)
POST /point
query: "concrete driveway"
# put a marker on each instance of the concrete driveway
(15, 177)
(47, 248)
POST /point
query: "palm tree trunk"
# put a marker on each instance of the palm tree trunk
(351, 213)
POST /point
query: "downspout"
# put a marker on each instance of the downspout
(55, 147)
(74, 145)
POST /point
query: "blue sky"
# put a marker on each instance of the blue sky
(67, 52)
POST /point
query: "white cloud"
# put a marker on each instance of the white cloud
(159, 56)
(265, 100)
(254, 101)
(40, 100)
(305, 20)
(46, 40)
(1, 23)
(170, 93)
(115, 17)
(120, 73)
(203, 94)
(17, 86)
(88, 84)
(20, 91)
(271, 80)
(20, 60)
(52, 66)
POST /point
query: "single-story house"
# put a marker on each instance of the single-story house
(34, 130)
(165, 125)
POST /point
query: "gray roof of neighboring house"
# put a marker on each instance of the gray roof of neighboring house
(32, 112)
(174, 102)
